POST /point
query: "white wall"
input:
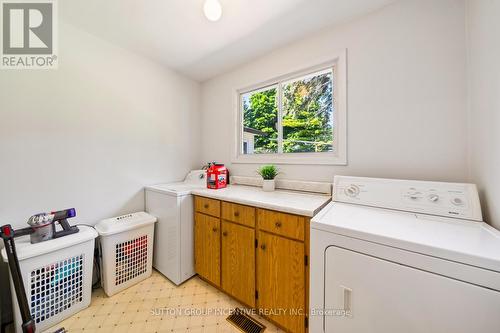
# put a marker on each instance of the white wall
(91, 134)
(406, 94)
(484, 87)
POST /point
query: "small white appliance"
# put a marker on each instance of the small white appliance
(172, 204)
(403, 256)
(126, 244)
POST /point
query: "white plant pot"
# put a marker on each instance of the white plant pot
(268, 185)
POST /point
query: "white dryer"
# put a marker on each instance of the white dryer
(172, 204)
(391, 256)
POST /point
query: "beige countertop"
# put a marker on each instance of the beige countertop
(300, 203)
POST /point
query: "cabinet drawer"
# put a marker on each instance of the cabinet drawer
(239, 214)
(207, 206)
(287, 225)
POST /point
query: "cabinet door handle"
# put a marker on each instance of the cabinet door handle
(236, 214)
(205, 206)
(263, 246)
(214, 229)
(224, 233)
(278, 224)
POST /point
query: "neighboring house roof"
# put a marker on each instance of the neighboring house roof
(253, 131)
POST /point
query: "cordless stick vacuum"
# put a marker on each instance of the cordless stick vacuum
(8, 235)
(42, 228)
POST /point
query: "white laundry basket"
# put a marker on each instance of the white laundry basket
(127, 250)
(57, 276)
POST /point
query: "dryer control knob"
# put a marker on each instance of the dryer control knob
(433, 198)
(352, 191)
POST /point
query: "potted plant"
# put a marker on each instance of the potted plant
(268, 173)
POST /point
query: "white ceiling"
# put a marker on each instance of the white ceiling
(176, 33)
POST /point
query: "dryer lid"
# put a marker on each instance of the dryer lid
(174, 189)
(195, 179)
(468, 242)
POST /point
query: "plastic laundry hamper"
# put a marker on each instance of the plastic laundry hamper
(57, 276)
(126, 249)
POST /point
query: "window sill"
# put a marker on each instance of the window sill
(292, 158)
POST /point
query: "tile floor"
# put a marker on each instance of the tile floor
(157, 305)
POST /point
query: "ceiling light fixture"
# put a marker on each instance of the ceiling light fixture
(212, 10)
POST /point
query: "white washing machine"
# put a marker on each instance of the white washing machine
(172, 204)
(391, 256)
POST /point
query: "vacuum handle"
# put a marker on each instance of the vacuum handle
(65, 224)
(64, 214)
(7, 233)
(62, 217)
(22, 232)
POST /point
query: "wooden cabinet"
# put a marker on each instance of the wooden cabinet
(238, 262)
(207, 247)
(281, 280)
(258, 256)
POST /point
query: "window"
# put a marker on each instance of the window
(298, 118)
(260, 121)
(307, 113)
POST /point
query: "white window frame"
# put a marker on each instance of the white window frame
(339, 154)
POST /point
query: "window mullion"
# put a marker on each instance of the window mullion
(280, 119)
(241, 116)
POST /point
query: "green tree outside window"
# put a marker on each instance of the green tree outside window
(306, 115)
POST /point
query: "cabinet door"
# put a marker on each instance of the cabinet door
(281, 280)
(238, 262)
(207, 247)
